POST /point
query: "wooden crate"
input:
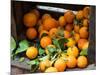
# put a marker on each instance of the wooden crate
(19, 8)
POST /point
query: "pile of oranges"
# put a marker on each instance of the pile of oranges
(71, 26)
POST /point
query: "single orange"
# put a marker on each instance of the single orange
(79, 15)
(71, 62)
(86, 13)
(45, 41)
(73, 51)
(32, 52)
(31, 33)
(81, 43)
(30, 19)
(69, 16)
(49, 23)
(84, 32)
(82, 62)
(60, 65)
(62, 21)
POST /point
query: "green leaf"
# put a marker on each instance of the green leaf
(84, 52)
(61, 42)
(33, 62)
(51, 49)
(12, 44)
(56, 43)
(23, 45)
(21, 59)
(44, 58)
(41, 51)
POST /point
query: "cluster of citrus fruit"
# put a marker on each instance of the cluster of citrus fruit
(70, 26)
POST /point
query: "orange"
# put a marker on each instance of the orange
(36, 12)
(42, 32)
(79, 15)
(71, 62)
(45, 16)
(69, 16)
(81, 43)
(62, 21)
(44, 64)
(73, 51)
(51, 69)
(53, 32)
(69, 27)
(32, 52)
(86, 22)
(76, 37)
(49, 23)
(67, 34)
(71, 42)
(86, 11)
(30, 19)
(60, 65)
(83, 32)
(76, 28)
(82, 62)
(45, 41)
(31, 33)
